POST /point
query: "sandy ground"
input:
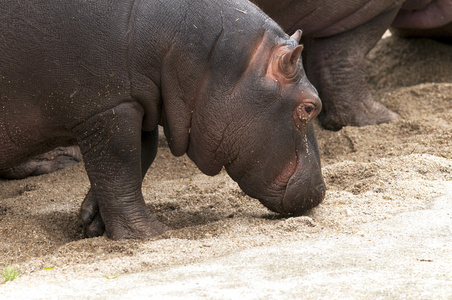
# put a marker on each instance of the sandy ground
(372, 173)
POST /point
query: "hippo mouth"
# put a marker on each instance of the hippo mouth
(282, 180)
(296, 187)
(299, 188)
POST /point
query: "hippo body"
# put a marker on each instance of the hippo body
(221, 77)
(337, 36)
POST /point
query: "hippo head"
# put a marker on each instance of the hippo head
(258, 125)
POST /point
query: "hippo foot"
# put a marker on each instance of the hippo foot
(140, 228)
(90, 215)
(367, 113)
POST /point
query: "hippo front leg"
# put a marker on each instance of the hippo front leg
(335, 65)
(89, 211)
(112, 146)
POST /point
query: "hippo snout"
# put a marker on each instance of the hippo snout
(298, 188)
(298, 197)
(306, 188)
(298, 203)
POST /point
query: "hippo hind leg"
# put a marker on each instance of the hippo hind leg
(57, 159)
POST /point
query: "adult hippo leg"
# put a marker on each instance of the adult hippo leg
(335, 65)
(115, 203)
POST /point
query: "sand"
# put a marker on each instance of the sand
(372, 173)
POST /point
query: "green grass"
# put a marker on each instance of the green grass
(10, 273)
(112, 276)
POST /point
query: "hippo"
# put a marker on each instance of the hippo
(424, 18)
(337, 36)
(223, 79)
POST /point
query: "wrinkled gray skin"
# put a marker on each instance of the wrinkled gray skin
(337, 36)
(223, 79)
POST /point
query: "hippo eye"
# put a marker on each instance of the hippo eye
(308, 109)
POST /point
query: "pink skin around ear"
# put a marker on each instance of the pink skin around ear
(284, 65)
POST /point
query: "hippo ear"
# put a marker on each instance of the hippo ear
(297, 36)
(285, 64)
(289, 62)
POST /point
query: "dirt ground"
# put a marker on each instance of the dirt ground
(372, 173)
